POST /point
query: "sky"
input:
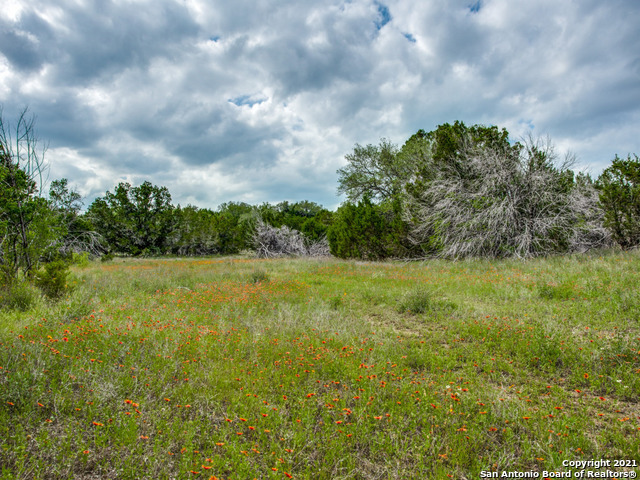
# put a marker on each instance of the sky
(259, 101)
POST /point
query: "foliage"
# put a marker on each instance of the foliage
(421, 300)
(17, 295)
(29, 229)
(417, 300)
(401, 182)
(194, 232)
(374, 171)
(80, 259)
(52, 279)
(359, 231)
(235, 223)
(550, 291)
(306, 217)
(370, 231)
(107, 257)
(76, 231)
(142, 221)
(619, 187)
(134, 220)
(258, 276)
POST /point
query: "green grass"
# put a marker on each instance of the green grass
(239, 368)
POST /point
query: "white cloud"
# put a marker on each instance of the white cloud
(260, 101)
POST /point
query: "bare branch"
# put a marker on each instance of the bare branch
(496, 206)
(272, 242)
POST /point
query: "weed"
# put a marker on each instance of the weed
(419, 300)
(107, 257)
(550, 291)
(52, 279)
(335, 302)
(80, 259)
(19, 295)
(415, 301)
(258, 276)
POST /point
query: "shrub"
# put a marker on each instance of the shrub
(17, 296)
(416, 301)
(52, 279)
(258, 276)
(420, 300)
(520, 203)
(273, 242)
(368, 231)
(335, 302)
(107, 257)
(80, 259)
(550, 291)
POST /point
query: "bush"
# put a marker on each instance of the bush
(273, 242)
(551, 291)
(17, 296)
(80, 259)
(420, 300)
(522, 202)
(416, 301)
(107, 257)
(258, 276)
(52, 279)
(368, 231)
(335, 302)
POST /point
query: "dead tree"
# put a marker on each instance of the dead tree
(499, 206)
(272, 242)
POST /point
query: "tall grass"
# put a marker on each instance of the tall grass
(239, 368)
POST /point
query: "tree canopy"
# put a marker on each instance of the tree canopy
(469, 191)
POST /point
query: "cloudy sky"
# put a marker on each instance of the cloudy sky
(260, 100)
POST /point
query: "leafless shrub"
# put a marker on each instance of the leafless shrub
(497, 205)
(319, 248)
(89, 241)
(271, 242)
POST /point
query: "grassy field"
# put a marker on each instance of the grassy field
(238, 368)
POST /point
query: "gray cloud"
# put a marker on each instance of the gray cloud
(260, 101)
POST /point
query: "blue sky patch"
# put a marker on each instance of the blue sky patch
(243, 100)
(475, 7)
(409, 37)
(384, 16)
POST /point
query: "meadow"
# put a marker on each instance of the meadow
(240, 368)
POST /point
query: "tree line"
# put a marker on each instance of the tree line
(457, 191)
(142, 221)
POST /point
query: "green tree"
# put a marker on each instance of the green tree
(77, 232)
(368, 231)
(134, 220)
(27, 226)
(375, 171)
(235, 223)
(619, 187)
(307, 217)
(194, 231)
(446, 149)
